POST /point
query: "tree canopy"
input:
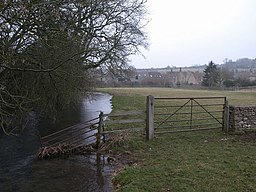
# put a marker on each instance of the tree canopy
(47, 49)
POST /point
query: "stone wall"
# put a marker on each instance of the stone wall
(241, 118)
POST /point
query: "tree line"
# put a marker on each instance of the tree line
(215, 76)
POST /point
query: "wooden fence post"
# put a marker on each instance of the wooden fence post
(150, 118)
(226, 117)
(98, 135)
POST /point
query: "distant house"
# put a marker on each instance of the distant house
(179, 78)
(170, 76)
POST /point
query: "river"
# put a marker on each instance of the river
(20, 170)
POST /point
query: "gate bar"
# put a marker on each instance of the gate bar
(167, 98)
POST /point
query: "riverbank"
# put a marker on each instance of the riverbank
(21, 171)
(195, 161)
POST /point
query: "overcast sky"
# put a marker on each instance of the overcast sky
(194, 32)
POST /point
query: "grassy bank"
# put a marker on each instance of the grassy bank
(198, 161)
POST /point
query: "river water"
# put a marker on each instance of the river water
(21, 171)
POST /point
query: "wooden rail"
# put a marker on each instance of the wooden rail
(131, 121)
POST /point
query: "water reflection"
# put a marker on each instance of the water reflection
(77, 173)
(93, 105)
(20, 171)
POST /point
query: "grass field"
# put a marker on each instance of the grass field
(193, 161)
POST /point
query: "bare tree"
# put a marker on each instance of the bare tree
(47, 49)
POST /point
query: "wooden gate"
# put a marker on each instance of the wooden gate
(188, 114)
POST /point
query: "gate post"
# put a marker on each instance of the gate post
(98, 135)
(226, 117)
(150, 118)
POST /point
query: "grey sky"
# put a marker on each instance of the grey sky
(194, 32)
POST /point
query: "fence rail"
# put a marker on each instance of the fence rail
(77, 134)
(162, 115)
(132, 121)
(95, 130)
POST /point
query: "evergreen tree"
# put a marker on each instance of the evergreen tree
(211, 76)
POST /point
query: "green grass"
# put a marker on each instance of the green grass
(193, 161)
(202, 161)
